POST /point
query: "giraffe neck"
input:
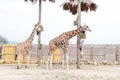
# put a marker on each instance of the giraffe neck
(31, 37)
(71, 34)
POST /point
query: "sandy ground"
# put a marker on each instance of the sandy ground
(87, 72)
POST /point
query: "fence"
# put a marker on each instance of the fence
(90, 53)
(102, 52)
(97, 52)
(7, 54)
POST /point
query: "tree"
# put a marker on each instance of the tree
(39, 31)
(3, 40)
(75, 7)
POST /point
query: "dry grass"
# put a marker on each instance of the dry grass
(87, 72)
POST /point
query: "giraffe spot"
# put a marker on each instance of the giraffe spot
(56, 44)
(51, 48)
(72, 32)
(63, 40)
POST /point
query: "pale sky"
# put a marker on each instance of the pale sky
(17, 19)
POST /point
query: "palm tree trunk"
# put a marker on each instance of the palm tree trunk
(39, 35)
(78, 36)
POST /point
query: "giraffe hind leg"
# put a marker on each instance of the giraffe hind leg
(48, 59)
(67, 61)
(51, 60)
(18, 60)
(27, 59)
(47, 62)
(16, 57)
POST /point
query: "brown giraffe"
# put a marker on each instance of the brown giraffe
(25, 47)
(62, 41)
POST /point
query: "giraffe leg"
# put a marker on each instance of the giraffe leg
(47, 62)
(51, 60)
(63, 58)
(67, 61)
(28, 60)
(81, 54)
(18, 61)
(66, 57)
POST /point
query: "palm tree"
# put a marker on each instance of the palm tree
(75, 7)
(41, 28)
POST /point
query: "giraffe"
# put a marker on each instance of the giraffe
(62, 41)
(25, 47)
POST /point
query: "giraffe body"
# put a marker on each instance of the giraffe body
(62, 41)
(25, 48)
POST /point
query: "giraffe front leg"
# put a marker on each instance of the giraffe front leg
(51, 60)
(67, 60)
(47, 62)
(66, 57)
(28, 60)
(63, 58)
(81, 54)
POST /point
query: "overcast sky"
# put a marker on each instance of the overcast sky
(17, 19)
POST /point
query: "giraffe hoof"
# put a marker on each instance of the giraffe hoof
(68, 68)
(50, 67)
(47, 68)
(26, 66)
(18, 67)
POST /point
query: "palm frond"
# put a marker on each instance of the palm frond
(93, 7)
(71, 0)
(72, 6)
(84, 6)
(33, 1)
(66, 6)
(25, 0)
(52, 1)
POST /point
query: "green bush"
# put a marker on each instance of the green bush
(3, 40)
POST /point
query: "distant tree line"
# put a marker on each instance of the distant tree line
(3, 40)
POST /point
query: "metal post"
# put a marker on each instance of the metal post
(78, 36)
(39, 35)
(116, 57)
(0, 51)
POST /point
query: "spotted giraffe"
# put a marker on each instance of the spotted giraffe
(62, 41)
(25, 47)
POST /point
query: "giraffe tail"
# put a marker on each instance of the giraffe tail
(15, 57)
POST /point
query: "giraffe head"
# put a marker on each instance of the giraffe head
(85, 28)
(38, 28)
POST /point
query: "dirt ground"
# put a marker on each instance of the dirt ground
(86, 72)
